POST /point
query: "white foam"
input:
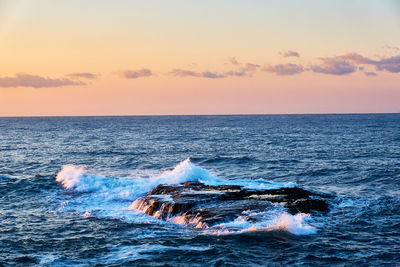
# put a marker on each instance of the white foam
(70, 175)
(187, 171)
(295, 224)
(271, 220)
(195, 222)
(112, 196)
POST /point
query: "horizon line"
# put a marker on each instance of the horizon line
(203, 114)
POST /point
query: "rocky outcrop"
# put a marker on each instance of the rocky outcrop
(203, 205)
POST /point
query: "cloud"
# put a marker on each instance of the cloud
(334, 66)
(391, 64)
(284, 69)
(211, 75)
(184, 73)
(134, 74)
(250, 67)
(84, 75)
(355, 58)
(242, 69)
(235, 73)
(370, 73)
(290, 54)
(36, 81)
(337, 65)
(189, 73)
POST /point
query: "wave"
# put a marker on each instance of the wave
(111, 197)
(276, 221)
(73, 176)
(271, 220)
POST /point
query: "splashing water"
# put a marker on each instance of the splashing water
(269, 220)
(70, 175)
(111, 196)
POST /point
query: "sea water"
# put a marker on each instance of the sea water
(67, 185)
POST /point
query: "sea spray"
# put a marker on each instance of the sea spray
(295, 224)
(276, 219)
(112, 196)
(70, 175)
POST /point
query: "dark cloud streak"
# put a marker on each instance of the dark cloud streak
(134, 74)
(189, 73)
(284, 69)
(242, 69)
(84, 75)
(290, 54)
(390, 64)
(36, 81)
(334, 66)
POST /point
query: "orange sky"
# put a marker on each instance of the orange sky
(181, 57)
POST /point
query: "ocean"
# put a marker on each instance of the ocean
(67, 185)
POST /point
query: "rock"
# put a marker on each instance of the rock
(203, 205)
(307, 206)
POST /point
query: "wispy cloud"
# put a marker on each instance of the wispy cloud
(84, 75)
(355, 58)
(284, 69)
(391, 64)
(184, 73)
(134, 74)
(241, 69)
(236, 73)
(36, 81)
(334, 66)
(211, 75)
(189, 73)
(248, 67)
(290, 53)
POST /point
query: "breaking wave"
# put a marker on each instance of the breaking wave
(111, 197)
(274, 221)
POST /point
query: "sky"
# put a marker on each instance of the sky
(167, 57)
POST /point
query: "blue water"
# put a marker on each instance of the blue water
(66, 184)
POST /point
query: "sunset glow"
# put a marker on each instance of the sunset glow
(204, 57)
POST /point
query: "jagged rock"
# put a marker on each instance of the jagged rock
(307, 205)
(205, 205)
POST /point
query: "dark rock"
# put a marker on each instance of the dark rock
(204, 205)
(307, 206)
(163, 189)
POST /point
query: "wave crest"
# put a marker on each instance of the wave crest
(103, 195)
(70, 175)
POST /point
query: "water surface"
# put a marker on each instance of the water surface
(43, 222)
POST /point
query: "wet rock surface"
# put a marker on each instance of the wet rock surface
(203, 205)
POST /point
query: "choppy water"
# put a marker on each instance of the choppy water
(103, 164)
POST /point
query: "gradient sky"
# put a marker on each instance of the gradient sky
(198, 57)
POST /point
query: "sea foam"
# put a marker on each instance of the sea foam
(112, 196)
(268, 220)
